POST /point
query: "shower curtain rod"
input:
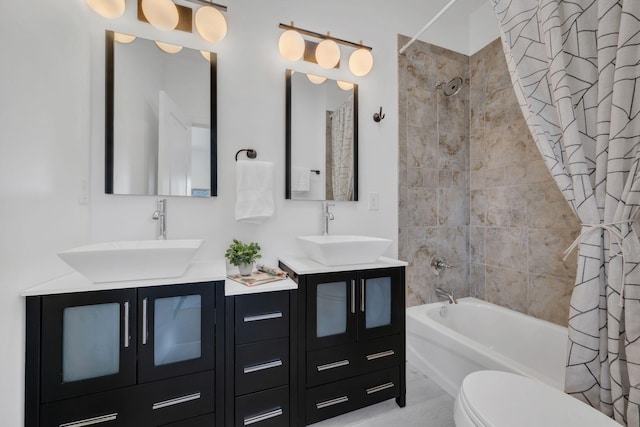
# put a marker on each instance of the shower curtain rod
(434, 19)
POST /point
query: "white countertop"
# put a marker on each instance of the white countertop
(210, 271)
(304, 265)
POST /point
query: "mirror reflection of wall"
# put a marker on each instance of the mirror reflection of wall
(322, 133)
(161, 143)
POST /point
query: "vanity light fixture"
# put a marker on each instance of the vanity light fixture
(123, 38)
(107, 8)
(208, 20)
(210, 23)
(327, 52)
(168, 47)
(291, 45)
(361, 62)
(162, 14)
(344, 85)
(316, 79)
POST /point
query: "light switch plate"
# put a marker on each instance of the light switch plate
(374, 201)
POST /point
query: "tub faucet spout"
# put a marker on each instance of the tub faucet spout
(441, 293)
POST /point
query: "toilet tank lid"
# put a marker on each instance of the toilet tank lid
(503, 399)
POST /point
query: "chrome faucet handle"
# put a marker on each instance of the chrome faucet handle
(438, 264)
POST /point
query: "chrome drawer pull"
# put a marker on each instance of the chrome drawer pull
(380, 355)
(267, 316)
(263, 417)
(332, 402)
(380, 388)
(333, 365)
(262, 366)
(91, 421)
(145, 325)
(176, 401)
(126, 324)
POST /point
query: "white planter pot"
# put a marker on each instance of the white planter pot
(245, 269)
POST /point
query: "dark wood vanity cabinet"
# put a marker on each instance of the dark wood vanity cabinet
(351, 340)
(261, 359)
(126, 357)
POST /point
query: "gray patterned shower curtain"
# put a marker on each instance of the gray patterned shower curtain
(575, 68)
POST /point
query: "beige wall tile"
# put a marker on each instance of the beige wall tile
(549, 298)
(506, 248)
(546, 248)
(506, 287)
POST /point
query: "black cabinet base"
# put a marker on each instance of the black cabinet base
(344, 396)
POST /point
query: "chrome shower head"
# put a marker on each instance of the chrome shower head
(452, 87)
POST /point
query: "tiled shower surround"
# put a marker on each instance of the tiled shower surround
(474, 190)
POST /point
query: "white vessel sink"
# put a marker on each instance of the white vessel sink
(132, 260)
(343, 249)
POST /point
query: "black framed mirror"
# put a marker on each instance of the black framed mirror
(161, 119)
(321, 138)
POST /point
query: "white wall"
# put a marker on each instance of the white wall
(52, 136)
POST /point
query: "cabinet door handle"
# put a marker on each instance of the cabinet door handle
(353, 296)
(266, 316)
(176, 401)
(380, 355)
(127, 335)
(332, 402)
(263, 417)
(145, 326)
(362, 288)
(381, 387)
(91, 421)
(262, 366)
(333, 365)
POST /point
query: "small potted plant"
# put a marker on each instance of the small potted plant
(243, 255)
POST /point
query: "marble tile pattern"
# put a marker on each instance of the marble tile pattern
(434, 170)
(474, 190)
(427, 405)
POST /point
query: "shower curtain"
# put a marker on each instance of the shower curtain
(575, 68)
(342, 151)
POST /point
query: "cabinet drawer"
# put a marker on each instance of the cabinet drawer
(269, 408)
(262, 317)
(108, 409)
(167, 401)
(339, 397)
(261, 365)
(208, 420)
(336, 363)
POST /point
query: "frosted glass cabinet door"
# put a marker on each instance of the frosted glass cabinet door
(381, 302)
(331, 306)
(176, 330)
(378, 300)
(331, 314)
(88, 343)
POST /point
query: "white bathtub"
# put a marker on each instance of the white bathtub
(475, 335)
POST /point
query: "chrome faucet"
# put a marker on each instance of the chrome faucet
(441, 293)
(326, 216)
(438, 264)
(160, 215)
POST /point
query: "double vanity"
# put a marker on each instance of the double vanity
(203, 350)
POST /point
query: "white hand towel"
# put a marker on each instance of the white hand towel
(300, 179)
(254, 191)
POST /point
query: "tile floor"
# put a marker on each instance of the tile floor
(427, 406)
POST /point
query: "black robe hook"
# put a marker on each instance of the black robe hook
(377, 117)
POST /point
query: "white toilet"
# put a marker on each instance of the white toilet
(502, 399)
